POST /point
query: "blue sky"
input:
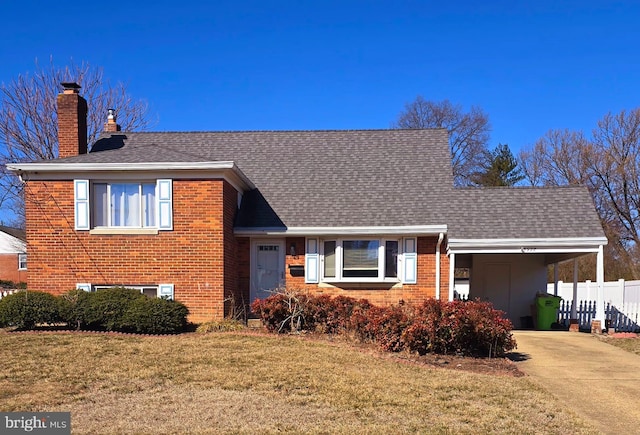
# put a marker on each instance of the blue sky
(262, 65)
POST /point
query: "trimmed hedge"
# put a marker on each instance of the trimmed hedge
(72, 307)
(106, 309)
(26, 309)
(467, 328)
(117, 309)
(155, 316)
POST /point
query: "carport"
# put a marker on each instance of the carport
(507, 238)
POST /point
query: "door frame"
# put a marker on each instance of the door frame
(254, 263)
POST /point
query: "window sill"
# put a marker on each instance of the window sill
(126, 231)
(361, 280)
(361, 285)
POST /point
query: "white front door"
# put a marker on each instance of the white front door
(267, 272)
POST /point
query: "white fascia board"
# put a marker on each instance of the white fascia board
(413, 230)
(35, 171)
(506, 246)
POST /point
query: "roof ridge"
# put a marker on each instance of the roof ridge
(282, 131)
(564, 186)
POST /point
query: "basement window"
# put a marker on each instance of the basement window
(164, 291)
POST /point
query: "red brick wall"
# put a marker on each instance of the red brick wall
(192, 256)
(9, 269)
(382, 295)
(72, 125)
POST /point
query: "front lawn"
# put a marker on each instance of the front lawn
(252, 383)
(629, 344)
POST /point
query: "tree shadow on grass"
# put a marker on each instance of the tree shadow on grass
(518, 356)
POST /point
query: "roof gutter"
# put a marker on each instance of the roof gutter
(416, 230)
(526, 246)
(24, 170)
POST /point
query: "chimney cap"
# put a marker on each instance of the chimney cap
(70, 87)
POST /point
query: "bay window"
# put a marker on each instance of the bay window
(360, 260)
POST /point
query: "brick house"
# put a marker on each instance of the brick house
(13, 254)
(213, 218)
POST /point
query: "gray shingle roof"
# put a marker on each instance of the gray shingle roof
(314, 178)
(524, 212)
(360, 178)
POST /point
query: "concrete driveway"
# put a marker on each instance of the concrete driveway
(599, 382)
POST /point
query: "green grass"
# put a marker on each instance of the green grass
(250, 383)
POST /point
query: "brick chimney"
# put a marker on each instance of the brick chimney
(72, 121)
(111, 126)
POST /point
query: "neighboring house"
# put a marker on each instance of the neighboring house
(13, 254)
(216, 218)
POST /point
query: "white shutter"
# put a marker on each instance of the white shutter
(312, 262)
(165, 205)
(81, 204)
(410, 271)
(83, 286)
(165, 291)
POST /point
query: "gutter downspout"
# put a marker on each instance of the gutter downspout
(440, 238)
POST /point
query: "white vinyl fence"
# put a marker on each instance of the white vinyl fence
(621, 298)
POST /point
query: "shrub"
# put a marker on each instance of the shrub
(105, 309)
(225, 325)
(382, 325)
(469, 328)
(26, 309)
(345, 309)
(429, 331)
(154, 316)
(73, 307)
(283, 311)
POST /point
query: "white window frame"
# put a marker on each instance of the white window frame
(381, 260)
(85, 207)
(22, 259)
(140, 206)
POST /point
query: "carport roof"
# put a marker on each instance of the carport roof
(524, 213)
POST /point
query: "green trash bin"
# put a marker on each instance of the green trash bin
(547, 311)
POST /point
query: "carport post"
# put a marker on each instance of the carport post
(574, 304)
(600, 314)
(555, 279)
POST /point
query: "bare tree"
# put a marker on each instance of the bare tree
(608, 163)
(468, 132)
(28, 118)
(556, 159)
(613, 160)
